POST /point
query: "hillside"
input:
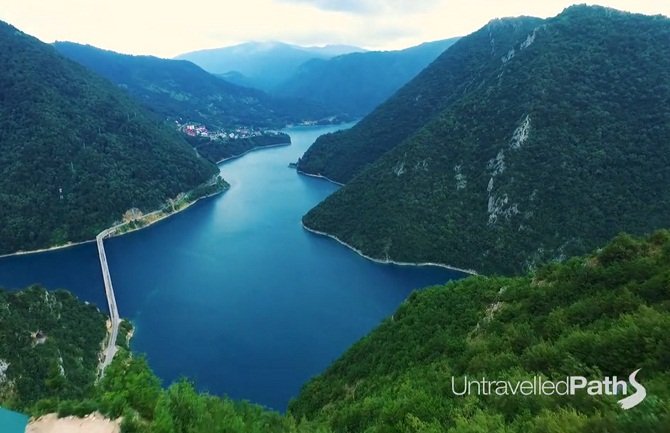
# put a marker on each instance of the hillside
(75, 151)
(595, 316)
(356, 83)
(599, 316)
(180, 90)
(557, 144)
(220, 150)
(341, 155)
(131, 390)
(263, 65)
(49, 345)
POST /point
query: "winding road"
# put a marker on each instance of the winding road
(110, 350)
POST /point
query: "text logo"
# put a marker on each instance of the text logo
(541, 386)
(634, 399)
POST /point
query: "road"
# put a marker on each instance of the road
(110, 350)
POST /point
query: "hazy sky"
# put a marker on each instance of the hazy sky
(166, 28)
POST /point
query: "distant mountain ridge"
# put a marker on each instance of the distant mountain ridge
(263, 65)
(341, 155)
(76, 152)
(356, 83)
(179, 89)
(541, 140)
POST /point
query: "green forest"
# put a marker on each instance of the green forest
(49, 345)
(218, 150)
(76, 152)
(599, 315)
(180, 90)
(356, 83)
(343, 154)
(561, 144)
(532, 151)
(130, 390)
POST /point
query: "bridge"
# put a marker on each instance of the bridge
(110, 350)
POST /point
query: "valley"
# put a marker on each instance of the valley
(193, 288)
(318, 228)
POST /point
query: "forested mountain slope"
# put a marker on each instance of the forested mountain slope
(49, 345)
(463, 66)
(561, 144)
(75, 151)
(602, 315)
(356, 83)
(178, 89)
(595, 316)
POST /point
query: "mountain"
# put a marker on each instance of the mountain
(264, 65)
(356, 83)
(235, 77)
(49, 344)
(553, 139)
(341, 155)
(333, 50)
(75, 151)
(178, 89)
(221, 150)
(598, 316)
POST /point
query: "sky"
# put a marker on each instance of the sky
(167, 28)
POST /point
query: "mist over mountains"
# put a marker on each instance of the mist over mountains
(263, 65)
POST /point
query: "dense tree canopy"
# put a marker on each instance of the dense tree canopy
(180, 90)
(49, 345)
(341, 155)
(356, 83)
(601, 315)
(130, 389)
(596, 316)
(219, 150)
(75, 151)
(560, 143)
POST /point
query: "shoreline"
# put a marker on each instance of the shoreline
(318, 176)
(387, 262)
(114, 234)
(113, 229)
(253, 149)
(74, 244)
(48, 249)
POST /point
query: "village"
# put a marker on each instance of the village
(193, 129)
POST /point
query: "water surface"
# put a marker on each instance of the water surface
(12, 422)
(233, 293)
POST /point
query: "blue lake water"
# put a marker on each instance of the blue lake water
(233, 293)
(12, 422)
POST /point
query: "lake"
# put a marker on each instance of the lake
(234, 293)
(12, 422)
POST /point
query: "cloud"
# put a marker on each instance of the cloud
(170, 28)
(337, 5)
(369, 6)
